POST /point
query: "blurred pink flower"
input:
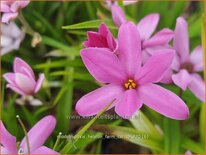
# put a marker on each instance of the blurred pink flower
(11, 8)
(127, 82)
(22, 80)
(11, 37)
(125, 2)
(186, 66)
(37, 137)
(101, 39)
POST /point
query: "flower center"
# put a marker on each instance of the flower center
(187, 66)
(130, 84)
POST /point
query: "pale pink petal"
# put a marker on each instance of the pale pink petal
(17, 5)
(5, 7)
(10, 78)
(197, 86)
(25, 83)
(111, 42)
(39, 83)
(44, 150)
(147, 25)
(39, 133)
(163, 101)
(167, 77)
(103, 65)
(196, 58)
(155, 67)
(129, 2)
(161, 38)
(20, 66)
(95, 101)
(181, 39)
(118, 15)
(129, 43)
(7, 140)
(7, 17)
(16, 89)
(181, 79)
(188, 152)
(127, 104)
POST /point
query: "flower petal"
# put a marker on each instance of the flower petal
(39, 133)
(7, 17)
(103, 65)
(196, 59)
(4, 7)
(167, 78)
(10, 78)
(95, 101)
(127, 104)
(44, 150)
(161, 38)
(16, 89)
(24, 83)
(3, 150)
(197, 86)
(147, 25)
(182, 79)
(19, 5)
(39, 83)
(129, 47)
(7, 140)
(181, 39)
(155, 67)
(163, 101)
(118, 15)
(20, 66)
(96, 40)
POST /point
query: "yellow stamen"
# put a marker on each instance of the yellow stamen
(130, 84)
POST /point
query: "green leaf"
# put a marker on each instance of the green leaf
(90, 24)
(202, 123)
(142, 124)
(130, 135)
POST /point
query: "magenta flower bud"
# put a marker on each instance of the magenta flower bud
(23, 81)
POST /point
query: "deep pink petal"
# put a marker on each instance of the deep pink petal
(7, 140)
(44, 150)
(103, 65)
(129, 48)
(7, 17)
(181, 39)
(25, 83)
(16, 89)
(103, 30)
(118, 15)
(182, 79)
(20, 66)
(95, 101)
(196, 59)
(197, 86)
(147, 25)
(39, 133)
(10, 78)
(161, 38)
(155, 67)
(128, 103)
(39, 83)
(96, 40)
(163, 101)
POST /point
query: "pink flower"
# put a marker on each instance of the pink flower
(101, 39)
(11, 37)
(11, 8)
(127, 82)
(22, 80)
(186, 66)
(37, 137)
(125, 2)
(150, 44)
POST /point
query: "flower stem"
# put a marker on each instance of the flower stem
(25, 132)
(57, 141)
(69, 145)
